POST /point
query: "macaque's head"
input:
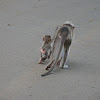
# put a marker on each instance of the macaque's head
(47, 38)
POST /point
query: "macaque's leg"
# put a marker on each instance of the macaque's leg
(49, 54)
(43, 58)
(40, 61)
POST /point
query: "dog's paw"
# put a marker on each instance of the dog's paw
(65, 66)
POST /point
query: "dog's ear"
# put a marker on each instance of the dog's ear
(43, 39)
(73, 27)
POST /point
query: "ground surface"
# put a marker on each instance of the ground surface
(23, 23)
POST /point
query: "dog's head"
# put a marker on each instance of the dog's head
(70, 24)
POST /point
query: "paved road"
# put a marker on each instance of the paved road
(23, 23)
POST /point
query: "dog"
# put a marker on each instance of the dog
(62, 39)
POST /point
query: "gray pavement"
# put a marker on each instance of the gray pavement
(23, 23)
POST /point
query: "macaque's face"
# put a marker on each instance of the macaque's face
(47, 38)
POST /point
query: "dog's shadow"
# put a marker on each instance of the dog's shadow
(75, 65)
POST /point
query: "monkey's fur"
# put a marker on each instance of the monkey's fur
(45, 49)
(63, 38)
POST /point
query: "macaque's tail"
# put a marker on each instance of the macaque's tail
(55, 63)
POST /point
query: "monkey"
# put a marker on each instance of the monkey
(45, 49)
(62, 39)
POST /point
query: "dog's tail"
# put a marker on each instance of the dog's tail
(55, 63)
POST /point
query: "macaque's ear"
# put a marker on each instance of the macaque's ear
(44, 38)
